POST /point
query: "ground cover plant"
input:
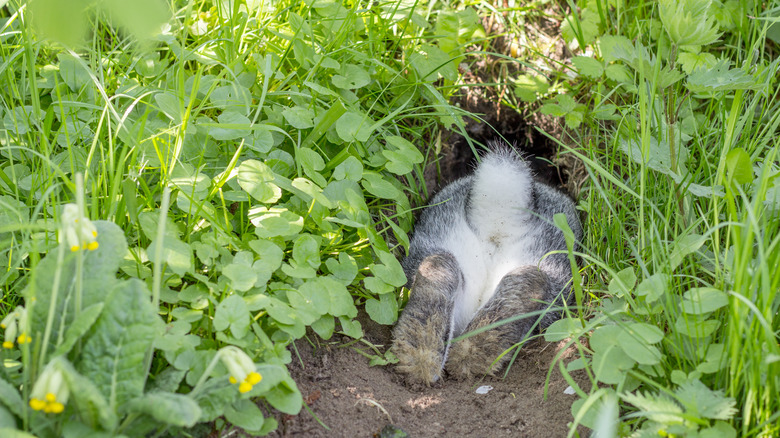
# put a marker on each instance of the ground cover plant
(187, 188)
(677, 103)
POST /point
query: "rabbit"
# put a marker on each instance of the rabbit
(478, 255)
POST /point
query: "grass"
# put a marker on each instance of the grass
(254, 156)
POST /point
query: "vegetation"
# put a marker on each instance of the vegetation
(185, 188)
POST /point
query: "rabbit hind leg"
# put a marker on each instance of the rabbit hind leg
(420, 339)
(519, 292)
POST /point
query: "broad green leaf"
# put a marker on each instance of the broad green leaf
(257, 179)
(688, 23)
(738, 166)
(703, 402)
(350, 169)
(245, 414)
(299, 117)
(635, 341)
(352, 126)
(261, 140)
(352, 76)
(702, 300)
(80, 325)
(306, 250)
(378, 186)
(324, 326)
(714, 359)
(275, 221)
(170, 105)
(313, 190)
(692, 61)
(312, 164)
(232, 125)
(93, 408)
(564, 328)
(653, 287)
(142, 18)
(232, 312)
(270, 254)
(168, 408)
(684, 246)
(10, 397)
(695, 326)
(530, 87)
(430, 62)
(285, 397)
(390, 271)
(113, 352)
(618, 73)
(720, 77)
(351, 327)
(402, 158)
(241, 275)
(623, 282)
(588, 66)
(384, 310)
(344, 270)
(72, 71)
(175, 253)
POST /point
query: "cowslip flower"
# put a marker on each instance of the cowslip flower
(50, 392)
(13, 323)
(77, 231)
(240, 367)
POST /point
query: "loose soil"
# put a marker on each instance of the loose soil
(348, 398)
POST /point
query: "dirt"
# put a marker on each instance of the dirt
(348, 398)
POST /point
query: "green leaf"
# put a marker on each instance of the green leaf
(738, 166)
(353, 126)
(93, 408)
(142, 18)
(635, 341)
(299, 117)
(695, 326)
(430, 62)
(350, 169)
(610, 362)
(653, 287)
(246, 415)
(344, 270)
(390, 271)
(9, 396)
(402, 159)
(232, 312)
(714, 359)
(175, 253)
(720, 77)
(684, 246)
(660, 407)
(306, 250)
(170, 105)
(351, 327)
(563, 328)
(375, 184)
(232, 125)
(72, 71)
(270, 254)
(168, 408)
(692, 61)
(256, 178)
(324, 326)
(80, 325)
(588, 66)
(241, 275)
(384, 310)
(529, 87)
(702, 300)
(623, 282)
(113, 352)
(704, 402)
(352, 76)
(275, 221)
(688, 23)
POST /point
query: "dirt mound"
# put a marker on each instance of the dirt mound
(353, 399)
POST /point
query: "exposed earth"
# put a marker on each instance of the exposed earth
(349, 398)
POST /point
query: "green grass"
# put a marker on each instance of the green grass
(256, 155)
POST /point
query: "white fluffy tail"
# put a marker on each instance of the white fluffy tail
(501, 194)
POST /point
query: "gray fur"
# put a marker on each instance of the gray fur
(462, 243)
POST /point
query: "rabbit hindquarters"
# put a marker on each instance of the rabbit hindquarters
(421, 335)
(479, 255)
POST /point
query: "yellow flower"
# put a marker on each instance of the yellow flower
(13, 323)
(50, 392)
(77, 231)
(241, 368)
